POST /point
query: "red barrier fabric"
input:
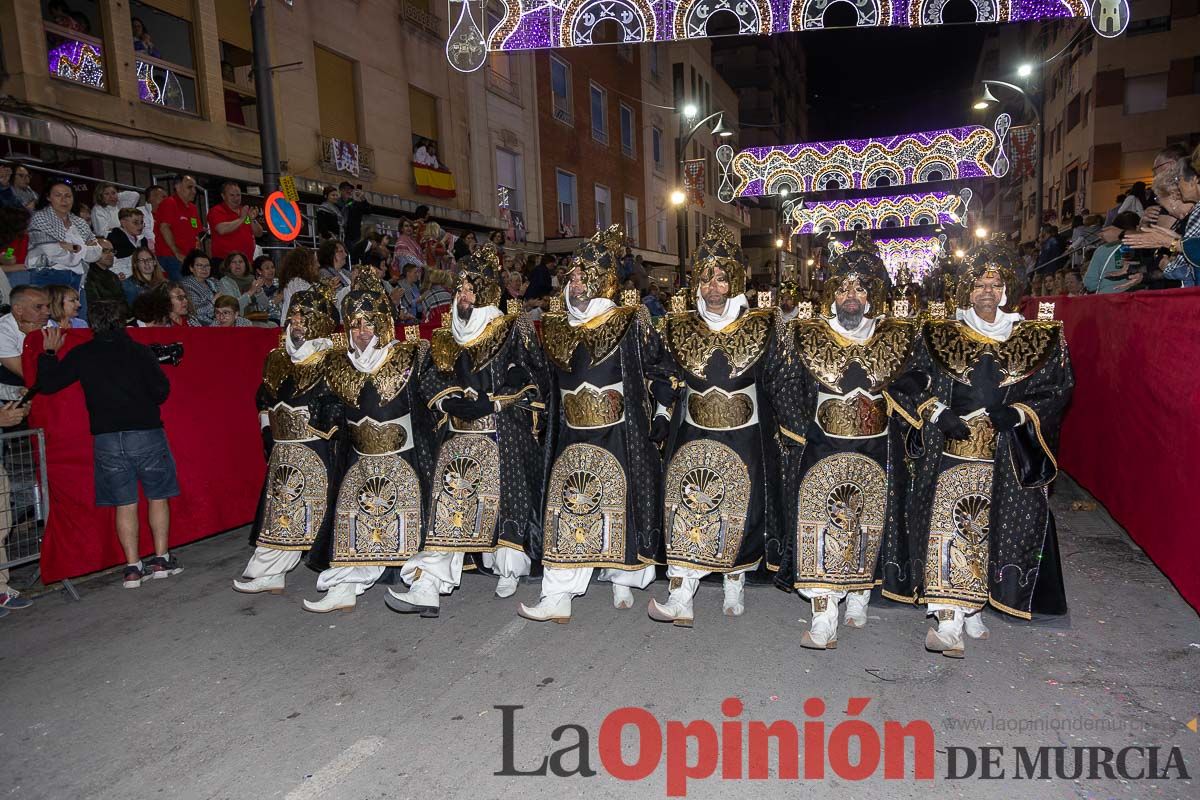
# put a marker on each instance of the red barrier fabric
(211, 423)
(1131, 436)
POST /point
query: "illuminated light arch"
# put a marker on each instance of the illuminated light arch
(845, 180)
(789, 180)
(691, 17)
(919, 253)
(892, 172)
(895, 220)
(635, 18)
(870, 212)
(924, 172)
(809, 15)
(929, 12)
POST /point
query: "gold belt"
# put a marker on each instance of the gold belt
(373, 438)
(716, 409)
(589, 408)
(485, 424)
(858, 415)
(289, 424)
(981, 444)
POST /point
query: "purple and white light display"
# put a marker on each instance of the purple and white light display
(871, 213)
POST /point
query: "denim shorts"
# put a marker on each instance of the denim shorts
(125, 458)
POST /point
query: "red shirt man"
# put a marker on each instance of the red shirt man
(178, 214)
(233, 225)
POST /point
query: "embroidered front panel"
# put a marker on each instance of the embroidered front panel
(297, 496)
(585, 508)
(378, 513)
(957, 558)
(717, 410)
(589, 408)
(289, 424)
(482, 349)
(560, 339)
(707, 497)
(957, 348)
(827, 354)
(743, 342)
(467, 503)
(980, 446)
(856, 415)
(842, 504)
(375, 438)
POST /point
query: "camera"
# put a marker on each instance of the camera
(168, 353)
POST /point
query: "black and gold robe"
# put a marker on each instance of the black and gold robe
(979, 516)
(604, 488)
(722, 485)
(843, 492)
(487, 477)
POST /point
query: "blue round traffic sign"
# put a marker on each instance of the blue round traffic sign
(283, 217)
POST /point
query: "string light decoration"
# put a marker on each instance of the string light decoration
(871, 213)
(535, 24)
(901, 160)
(919, 253)
(80, 62)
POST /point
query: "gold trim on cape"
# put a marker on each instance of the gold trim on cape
(482, 348)
(560, 338)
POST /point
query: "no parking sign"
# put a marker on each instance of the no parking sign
(283, 217)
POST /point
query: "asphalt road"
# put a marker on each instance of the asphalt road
(184, 689)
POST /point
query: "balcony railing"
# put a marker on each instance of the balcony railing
(502, 83)
(563, 114)
(75, 57)
(161, 83)
(347, 158)
(420, 18)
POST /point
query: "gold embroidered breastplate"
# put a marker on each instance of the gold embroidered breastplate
(827, 354)
(482, 349)
(956, 348)
(743, 341)
(279, 366)
(560, 339)
(389, 378)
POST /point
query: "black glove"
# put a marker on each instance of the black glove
(268, 441)
(516, 378)
(1004, 417)
(985, 381)
(468, 409)
(910, 382)
(663, 393)
(953, 426)
(660, 429)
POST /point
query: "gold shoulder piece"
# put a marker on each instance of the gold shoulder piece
(444, 349)
(276, 368)
(556, 304)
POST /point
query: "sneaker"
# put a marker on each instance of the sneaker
(12, 600)
(159, 567)
(133, 576)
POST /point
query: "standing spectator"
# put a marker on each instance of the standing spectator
(30, 312)
(102, 282)
(227, 314)
(7, 198)
(407, 296)
(407, 249)
(331, 221)
(200, 285)
(465, 245)
(234, 225)
(61, 244)
(354, 207)
(237, 282)
(142, 42)
(1112, 212)
(21, 190)
(333, 261)
(123, 387)
(1183, 248)
(109, 204)
(155, 194)
(541, 278)
(297, 273)
(14, 246)
(1103, 274)
(1050, 250)
(64, 307)
(269, 293)
(177, 227)
(147, 274)
(653, 302)
(125, 238)
(1135, 199)
(438, 295)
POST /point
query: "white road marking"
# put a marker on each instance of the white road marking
(329, 776)
(502, 637)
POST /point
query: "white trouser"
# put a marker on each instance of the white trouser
(268, 562)
(696, 574)
(445, 569)
(574, 580)
(363, 578)
(508, 562)
(933, 608)
(837, 595)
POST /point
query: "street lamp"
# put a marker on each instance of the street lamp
(959, 253)
(779, 243)
(690, 111)
(1033, 105)
(681, 142)
(678, 197)
(981, 232)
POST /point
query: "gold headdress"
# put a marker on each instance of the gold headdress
(597, 259)
(719, 250)
(368, 300)
(789, 288)
(998, 257)
(481, 270)
(316, 308)
(861, 262)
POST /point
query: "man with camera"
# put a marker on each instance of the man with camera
(123, 387)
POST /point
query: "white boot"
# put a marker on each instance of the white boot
(973, 624)
(678, 608)
(506, 586)
(553, 608)
(267, 583)
(947, 638)
(622, 596)
(421, 598)
(856, 608)
(822, 631)
(341, 597)
(735, 594)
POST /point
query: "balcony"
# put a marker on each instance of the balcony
(420, 18)
(241, 107)
(347, 158)
(161, 83)
(75, 57)
(562, 112)
(503, 84)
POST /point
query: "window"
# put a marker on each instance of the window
(423, 117)
(237, 64)
(660, 217)
(655, 61)
(603, 207)
(1146, 93)
(1073, 113)
(164, 56)
(501, 66)
(568, 203)
(599, 101)
(510, 183)
(656, 148)
(627, 128)
(560, 90)
(75, 43)
(631, 220)
(337, 95)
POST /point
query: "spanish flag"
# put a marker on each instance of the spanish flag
(434, 182)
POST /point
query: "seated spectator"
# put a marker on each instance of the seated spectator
(227, 313)
(21, 190)
(180, 313)
(152, 310)
(297, 272)
(654, 304)
(102, 282)
(269, 292)
(334, 261)
(1183, 248)
(14, 248)
(64, 307)
(123, 387)
(237, 282)
(407, 296)
(1073, 284)
(1106, 274)
(200, 285)
(463, 247)
(147, 274)
(109, 204)
(438, 294)
(7, 198)
(129, 235)
(30, 312)
(61, 244)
